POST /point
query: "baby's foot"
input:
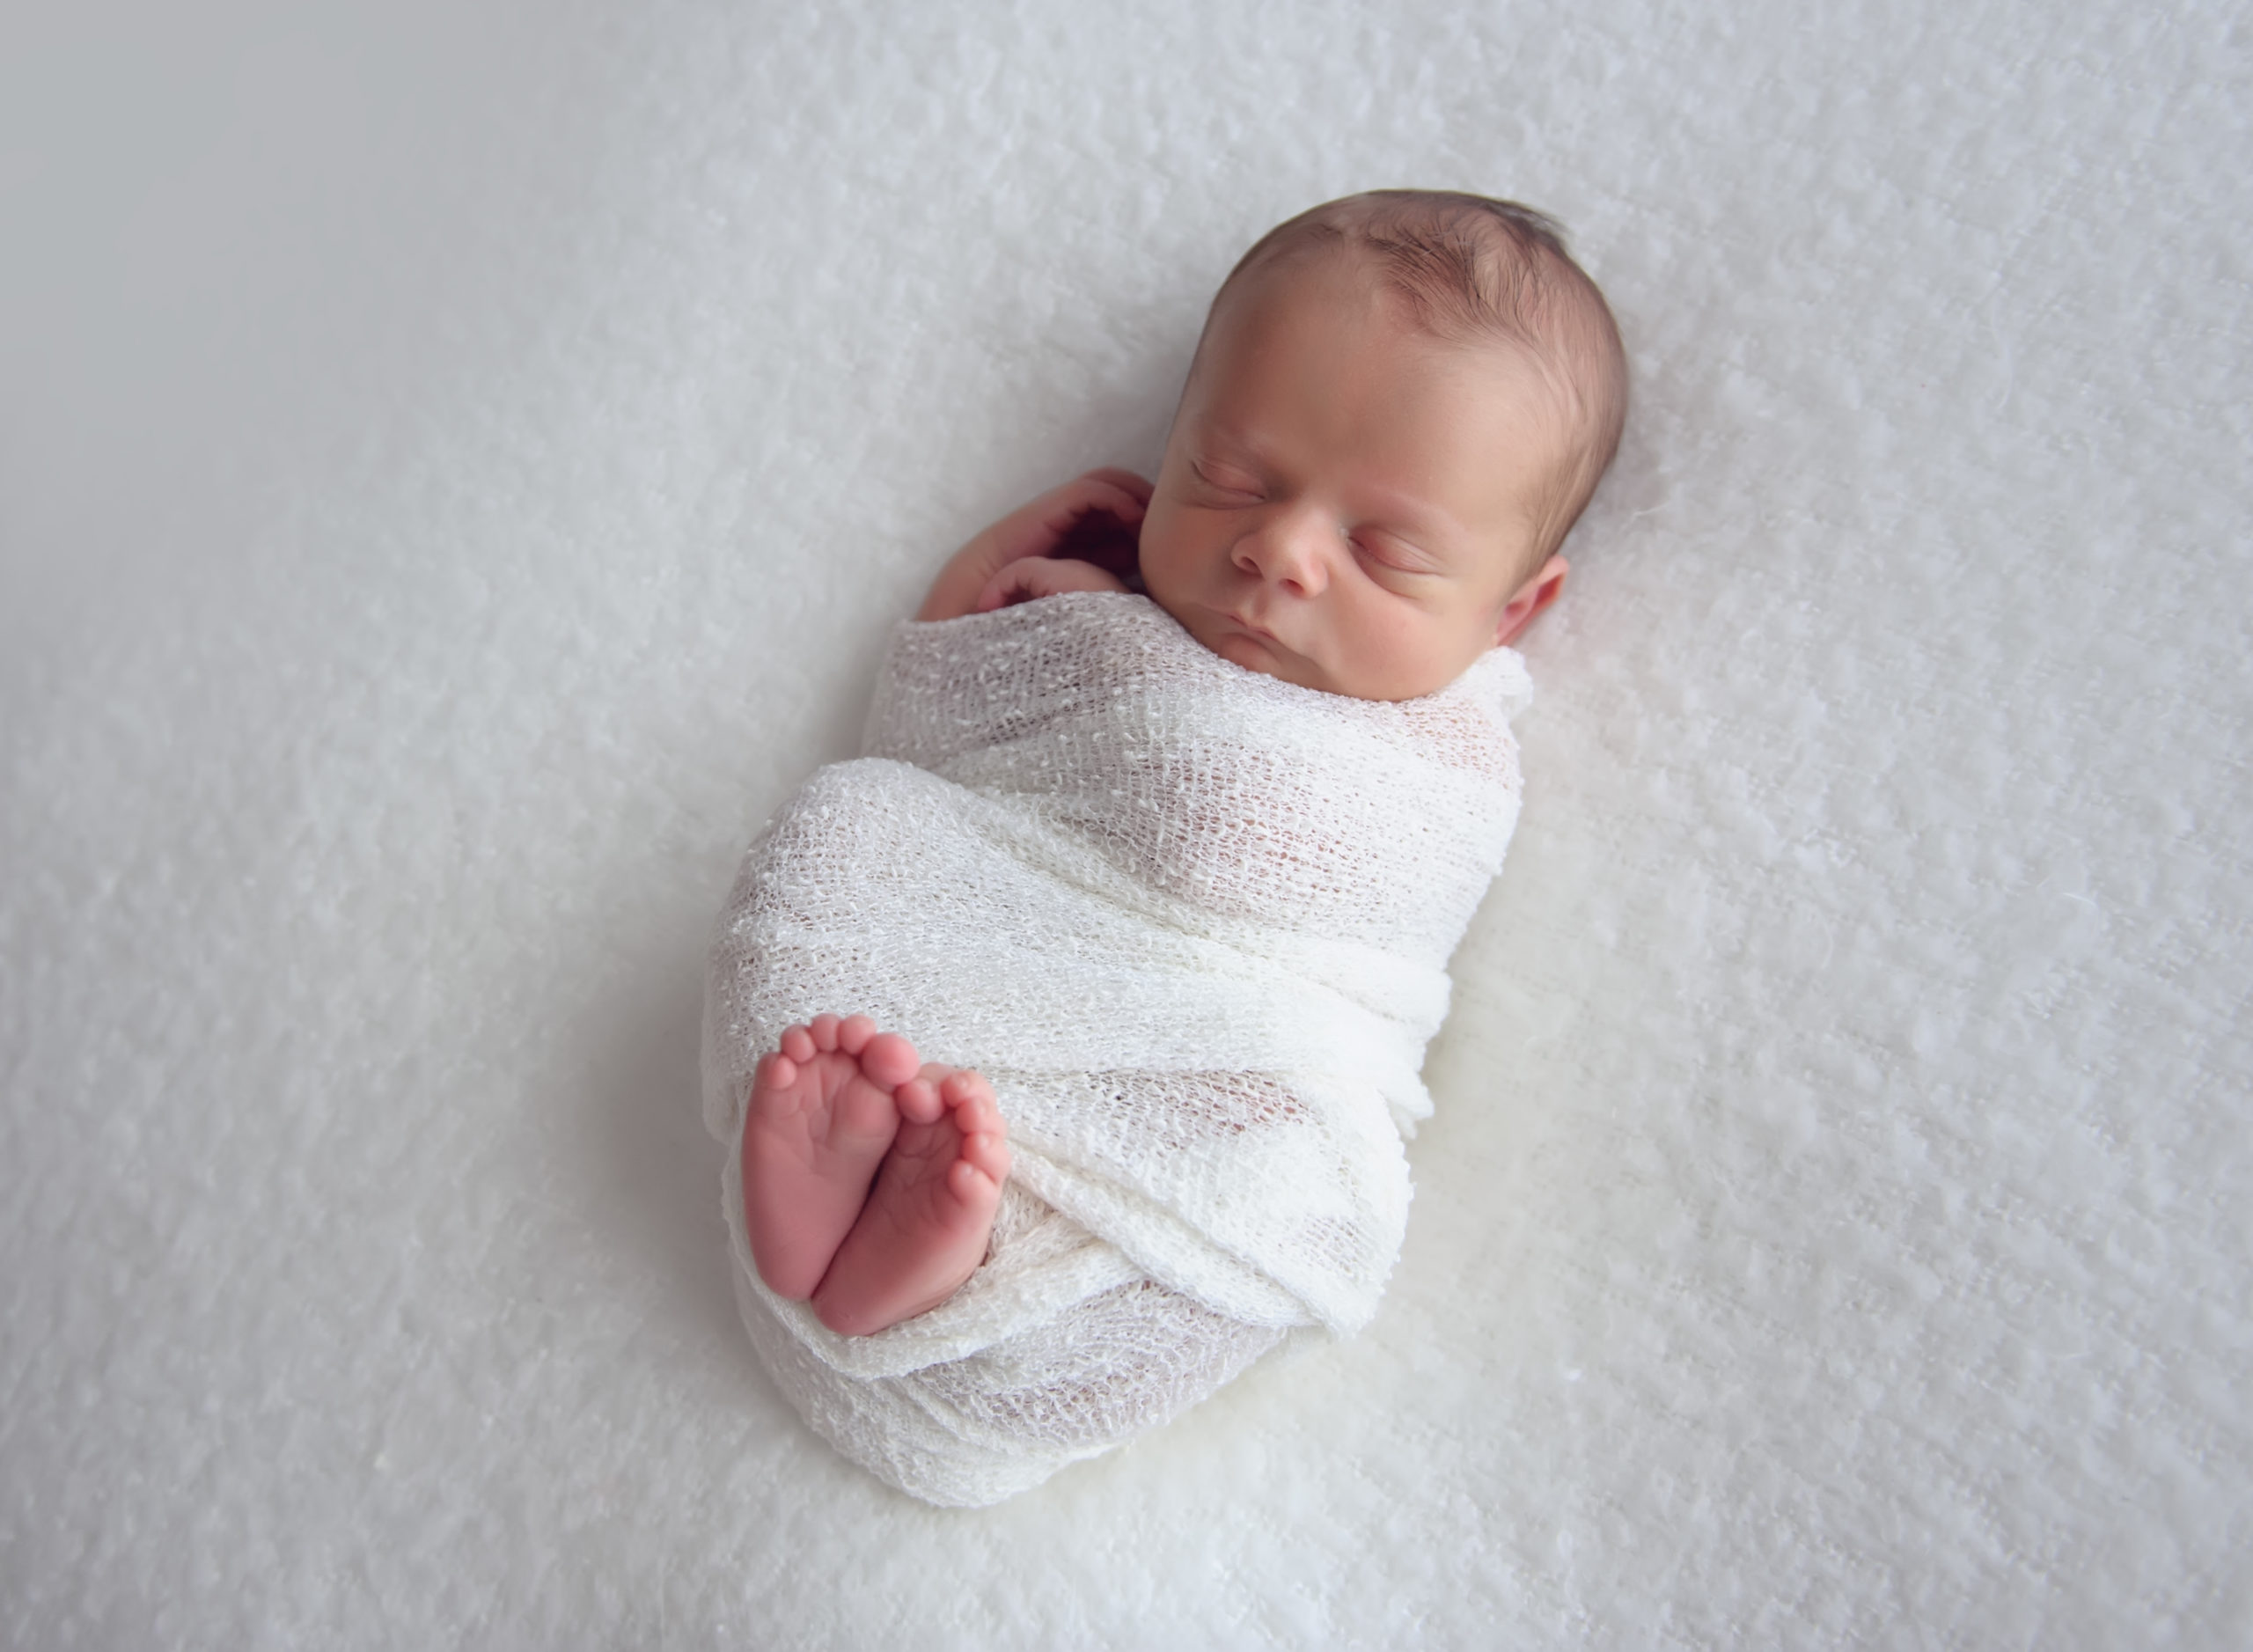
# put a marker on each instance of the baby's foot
(820, 1120)
(924, 1227)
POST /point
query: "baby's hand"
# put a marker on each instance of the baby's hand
(1033, 577)
(1091, 520)
(1061, 522)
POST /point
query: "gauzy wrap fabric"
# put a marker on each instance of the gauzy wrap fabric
(1193, 922)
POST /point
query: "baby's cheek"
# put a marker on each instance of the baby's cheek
(1392, 660)
(1170, 550)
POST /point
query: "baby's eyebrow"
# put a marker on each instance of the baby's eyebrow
(1228, 446)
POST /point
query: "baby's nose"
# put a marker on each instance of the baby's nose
(1291, 549)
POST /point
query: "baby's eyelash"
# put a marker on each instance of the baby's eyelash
(1375, 554)
(1245, 489)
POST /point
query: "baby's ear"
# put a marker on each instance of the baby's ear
(1530, 599)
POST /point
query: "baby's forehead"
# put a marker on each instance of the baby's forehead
(1326, 292)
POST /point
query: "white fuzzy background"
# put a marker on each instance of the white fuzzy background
(458, 464)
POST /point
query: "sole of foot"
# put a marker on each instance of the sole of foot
(924, 1227)
(820, 1119)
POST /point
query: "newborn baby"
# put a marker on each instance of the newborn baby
(1401, 404)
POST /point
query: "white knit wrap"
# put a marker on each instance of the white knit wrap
(1193, 922)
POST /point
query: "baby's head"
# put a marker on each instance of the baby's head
(1401, 403)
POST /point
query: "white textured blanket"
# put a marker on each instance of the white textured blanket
(1193, 922)
(459, 466)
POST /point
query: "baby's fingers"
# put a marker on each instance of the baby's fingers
(1127, 481)
(1006, 587)
(1095, 493)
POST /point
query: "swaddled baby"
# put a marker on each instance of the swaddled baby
(1159, 857)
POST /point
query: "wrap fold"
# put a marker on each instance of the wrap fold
(1192, 924)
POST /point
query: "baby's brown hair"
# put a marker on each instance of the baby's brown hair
(1474, 269)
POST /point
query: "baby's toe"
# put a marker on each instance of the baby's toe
(971, 1099)
(918, 1101)
(824, 1029)
(972, 1187)
(776, 1071)
(888, 1059)
(987, 1154)
(798, 1044)
(854, 1033)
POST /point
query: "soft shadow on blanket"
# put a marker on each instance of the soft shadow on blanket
(649, 1174)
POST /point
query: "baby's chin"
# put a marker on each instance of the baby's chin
(1269, 660)
(1250, 652)
(1239, 647)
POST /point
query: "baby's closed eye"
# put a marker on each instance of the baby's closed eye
(1227, 484)
(1391, 556)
